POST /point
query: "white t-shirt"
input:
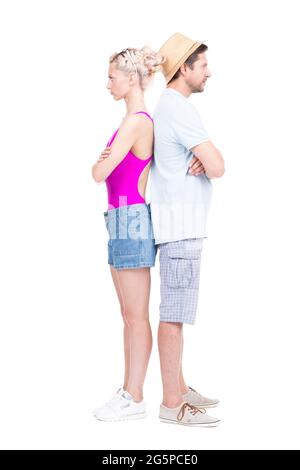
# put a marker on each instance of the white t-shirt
(179, 202)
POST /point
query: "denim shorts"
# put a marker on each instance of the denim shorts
(131, 241)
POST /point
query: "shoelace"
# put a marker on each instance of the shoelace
(110, 403)
(115, 403)
(191, 408)
(113, 398)
(195, 391)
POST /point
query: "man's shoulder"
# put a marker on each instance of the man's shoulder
(171, 104)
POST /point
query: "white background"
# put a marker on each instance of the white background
(61, 329)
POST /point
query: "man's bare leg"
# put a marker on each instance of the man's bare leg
(170, 353)
(183, 387)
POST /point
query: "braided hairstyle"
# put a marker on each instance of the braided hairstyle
(145, 61)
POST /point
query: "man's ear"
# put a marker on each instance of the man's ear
(183, 69)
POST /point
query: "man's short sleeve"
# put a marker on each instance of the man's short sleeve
(188, 127)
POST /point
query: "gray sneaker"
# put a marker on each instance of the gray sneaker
(188, 415)
(196, 399)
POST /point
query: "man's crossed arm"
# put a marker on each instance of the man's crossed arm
(210, 158)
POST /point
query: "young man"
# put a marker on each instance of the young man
(184, 162)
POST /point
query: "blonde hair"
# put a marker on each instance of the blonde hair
(146, 61)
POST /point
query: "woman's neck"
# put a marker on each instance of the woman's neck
(135, 103)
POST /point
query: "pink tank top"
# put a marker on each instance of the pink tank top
(122, 183)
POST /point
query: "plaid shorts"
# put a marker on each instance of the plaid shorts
(179, 279)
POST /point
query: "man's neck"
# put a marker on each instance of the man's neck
(181, 88)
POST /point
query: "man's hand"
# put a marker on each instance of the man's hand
(106, 153)
(195, 167)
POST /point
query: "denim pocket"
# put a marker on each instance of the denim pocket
(126, 253)
(126, 247)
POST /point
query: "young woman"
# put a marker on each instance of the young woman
(124, 165)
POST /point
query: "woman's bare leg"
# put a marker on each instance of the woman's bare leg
(135, 292)
(114, 275)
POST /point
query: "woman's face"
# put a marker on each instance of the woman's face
(118, 82)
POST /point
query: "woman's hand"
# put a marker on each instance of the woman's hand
(196, 167)
(106, 153)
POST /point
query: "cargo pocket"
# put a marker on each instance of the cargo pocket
(183, 267)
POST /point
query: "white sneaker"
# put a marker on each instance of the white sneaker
(121, 407)
(114, 397)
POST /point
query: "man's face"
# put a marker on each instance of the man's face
(197, 76)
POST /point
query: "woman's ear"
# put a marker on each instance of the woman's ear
(132, 78)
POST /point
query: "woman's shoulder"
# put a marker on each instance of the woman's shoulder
(135, 123)
(137, 117)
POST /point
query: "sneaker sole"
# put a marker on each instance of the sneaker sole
(123, 418)
(202, 425)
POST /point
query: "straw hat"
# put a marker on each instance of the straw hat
(176, 50)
